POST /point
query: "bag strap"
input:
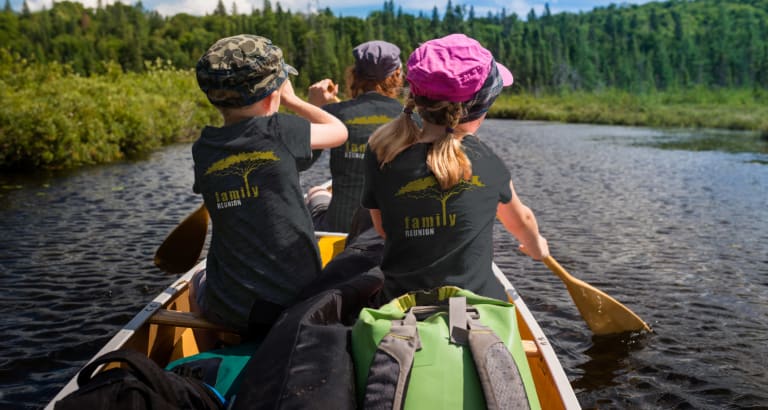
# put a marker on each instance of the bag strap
(386, 386)
(139, 365)
(496, 368)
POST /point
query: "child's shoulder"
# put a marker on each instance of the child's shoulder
(476, 148)
(291, 122)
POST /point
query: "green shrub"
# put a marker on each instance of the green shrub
(53, 118)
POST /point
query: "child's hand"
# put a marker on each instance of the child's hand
(288, 89)
(539, 251)
(288, 97)
(323, 92)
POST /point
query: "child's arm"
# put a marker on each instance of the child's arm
(327, 131)
(377, 224)
(521, 222)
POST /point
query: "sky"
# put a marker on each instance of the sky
(356, 8)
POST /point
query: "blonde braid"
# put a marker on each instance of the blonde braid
(447, 159)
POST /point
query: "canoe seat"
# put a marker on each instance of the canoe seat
(196, 321)
(530, 348)
(186, 319)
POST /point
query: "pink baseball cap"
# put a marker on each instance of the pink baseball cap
(452, 68)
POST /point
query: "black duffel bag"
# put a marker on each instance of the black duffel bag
(137, 385)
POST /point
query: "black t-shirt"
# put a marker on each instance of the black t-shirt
(362, 116)
(437, 237)
(262, 245)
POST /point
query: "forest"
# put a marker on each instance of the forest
(660, 47)
(656, 46)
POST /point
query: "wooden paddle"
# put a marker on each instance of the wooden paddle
(332, 88)
(603, 314)
(181, 249)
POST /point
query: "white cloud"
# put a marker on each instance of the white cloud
(194, 7)
(482, 7)
(202, 7)
(522, 8)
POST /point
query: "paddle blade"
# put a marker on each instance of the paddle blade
(604, 315)
(182, 247)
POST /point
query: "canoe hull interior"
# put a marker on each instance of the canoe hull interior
(163, 331)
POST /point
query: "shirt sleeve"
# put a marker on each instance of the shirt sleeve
(195, 184)
(296, 135)
(369, 187)
(488, 164)
(505, 193)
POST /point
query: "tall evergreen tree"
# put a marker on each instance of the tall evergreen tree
(220, 10)
(434, 24)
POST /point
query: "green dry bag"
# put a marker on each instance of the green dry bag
(443, 349)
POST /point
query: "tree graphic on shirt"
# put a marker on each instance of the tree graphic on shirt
(369, 120)
(242, 165)
(429, 188)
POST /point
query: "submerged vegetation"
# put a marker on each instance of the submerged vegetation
(76, 88)
(709, 141)
(694, 108)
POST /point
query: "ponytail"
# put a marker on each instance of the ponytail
(395, 136)
(447, 159)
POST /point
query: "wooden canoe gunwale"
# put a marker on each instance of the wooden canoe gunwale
(137, 333)
(545, 365)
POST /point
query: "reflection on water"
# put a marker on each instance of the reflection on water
(608, 360)
(712, 140)
(679, 237)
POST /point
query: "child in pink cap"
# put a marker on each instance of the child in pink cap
(434, 192)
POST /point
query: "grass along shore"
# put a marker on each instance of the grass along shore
(696, 108)
(54, 119)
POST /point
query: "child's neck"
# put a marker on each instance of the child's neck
(235, 115)
(432, 132)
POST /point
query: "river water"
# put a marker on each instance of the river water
(679, 237)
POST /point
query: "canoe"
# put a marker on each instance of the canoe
(163, 331)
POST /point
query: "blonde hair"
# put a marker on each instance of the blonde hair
(446, 157)
(390, 86)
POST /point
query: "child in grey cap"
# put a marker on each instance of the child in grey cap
(263, 250)
(375, 83)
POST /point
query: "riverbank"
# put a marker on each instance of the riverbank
(696, 108)
(55, 119)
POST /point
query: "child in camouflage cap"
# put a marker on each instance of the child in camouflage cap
(262, 251)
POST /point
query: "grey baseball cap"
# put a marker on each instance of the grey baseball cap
(246, 67)
(376, 60)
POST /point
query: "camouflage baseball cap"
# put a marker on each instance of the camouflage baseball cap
(241, 70)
